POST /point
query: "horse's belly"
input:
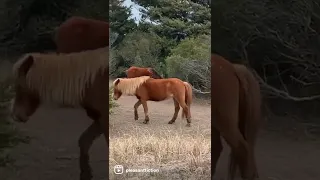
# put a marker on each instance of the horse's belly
(159, 98)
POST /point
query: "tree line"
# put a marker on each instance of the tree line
(173, 37)
(280, 41)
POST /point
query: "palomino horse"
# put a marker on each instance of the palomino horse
(134, 71)
(79, 34)
(146, 89)
(236, 103)
(76, 79)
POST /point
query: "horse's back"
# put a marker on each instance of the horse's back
(173, 82)
(158, 89)
(133, 72)
(78, 34)
(223, 76)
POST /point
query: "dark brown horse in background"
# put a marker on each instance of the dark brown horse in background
(78, 34)
(236, 103)
(135, 71)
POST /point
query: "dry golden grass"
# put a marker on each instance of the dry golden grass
(177, 155)
(178, 152)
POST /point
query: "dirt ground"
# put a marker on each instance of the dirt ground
(53, 151)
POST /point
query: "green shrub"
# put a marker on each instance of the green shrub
(137, 49)
(9, 135)
(190, 61)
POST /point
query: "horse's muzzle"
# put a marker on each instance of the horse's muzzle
(17, 119)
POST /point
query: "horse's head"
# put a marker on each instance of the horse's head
(116, 92)
(26, 101)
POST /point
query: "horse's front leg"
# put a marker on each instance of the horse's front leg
(145, 108)
(136, 117)
(85, 141)
(104, 127)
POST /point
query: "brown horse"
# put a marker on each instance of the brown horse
(236, 112)
(78, 34)
(149, 89)
(134, 71)
(76, 79)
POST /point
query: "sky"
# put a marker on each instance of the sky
(134, 9)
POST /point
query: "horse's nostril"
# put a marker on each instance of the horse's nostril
(17, 119)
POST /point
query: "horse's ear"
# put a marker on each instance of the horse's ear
(116, 82)
(26, 65)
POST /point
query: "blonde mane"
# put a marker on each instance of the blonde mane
(129, 86)
(62, 78)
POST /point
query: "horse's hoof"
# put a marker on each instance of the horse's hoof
(145, 122)
(136, 118)
(170, 122)
(188, 125)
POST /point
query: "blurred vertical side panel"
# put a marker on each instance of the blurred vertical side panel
(53, 69)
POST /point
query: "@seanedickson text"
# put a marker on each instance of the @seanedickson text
(118, 169)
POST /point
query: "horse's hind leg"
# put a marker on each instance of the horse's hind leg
(240, 150)
(186, 109)
(145, 108)
(176, 111)
(232, 167)
(216, 151)
(136, 116)
(85, 141)
(186, 112)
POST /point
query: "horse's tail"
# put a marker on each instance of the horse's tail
(250, 115)
(252, 101)
(188, 98)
